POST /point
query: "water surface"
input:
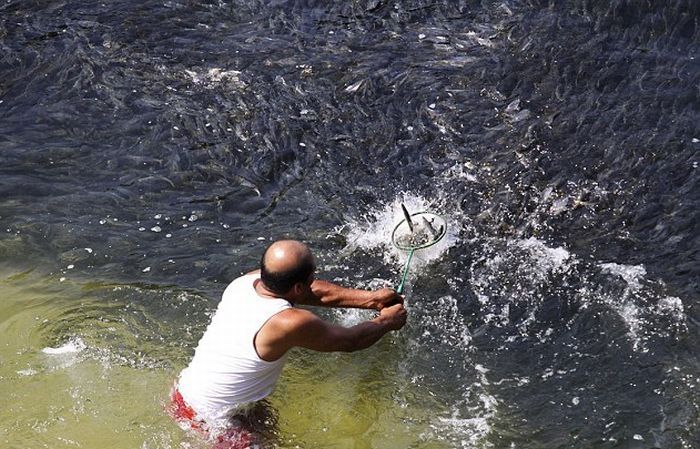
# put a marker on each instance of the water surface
(149, 152)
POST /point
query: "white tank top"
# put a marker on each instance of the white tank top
(226, 372)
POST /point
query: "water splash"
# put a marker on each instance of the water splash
(434, 322)
(72, 346)
(373, 231)
(632, 274)
(640, 307)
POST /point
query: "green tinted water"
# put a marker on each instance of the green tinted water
(88, 365)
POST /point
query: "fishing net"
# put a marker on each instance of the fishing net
(421, 230)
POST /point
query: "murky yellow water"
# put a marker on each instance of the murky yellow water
(90, 366)
(75, 395)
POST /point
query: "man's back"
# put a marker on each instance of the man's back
(226, 371)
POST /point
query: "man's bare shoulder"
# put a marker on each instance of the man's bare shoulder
(289, 328)
(294, 319)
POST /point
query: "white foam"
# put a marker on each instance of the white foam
(636, 315)
(630, 313)
(475, 429)
(546, 258)
(481, 369)
(468, 432)
(530, 263)
(351, 317)
(72, 346)
(632, 274)
(671, 306)
(374, 232)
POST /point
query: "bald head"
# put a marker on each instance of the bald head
(284, 264)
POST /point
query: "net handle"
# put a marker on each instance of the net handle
(399, 289)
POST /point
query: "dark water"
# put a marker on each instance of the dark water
(163, 144)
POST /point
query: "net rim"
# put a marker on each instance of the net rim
(424, 245)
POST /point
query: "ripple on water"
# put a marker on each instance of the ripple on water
(71, 372)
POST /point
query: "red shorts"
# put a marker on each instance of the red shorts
(236, 436)
(181, 412)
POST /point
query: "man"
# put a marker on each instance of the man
(241, 354)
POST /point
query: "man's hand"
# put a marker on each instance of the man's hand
(385, 297)
(394, 316)
(298, 327)
(326, 294)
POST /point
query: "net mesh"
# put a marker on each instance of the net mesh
(428, 229)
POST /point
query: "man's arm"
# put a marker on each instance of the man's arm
(301, 328)
(327, 294)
